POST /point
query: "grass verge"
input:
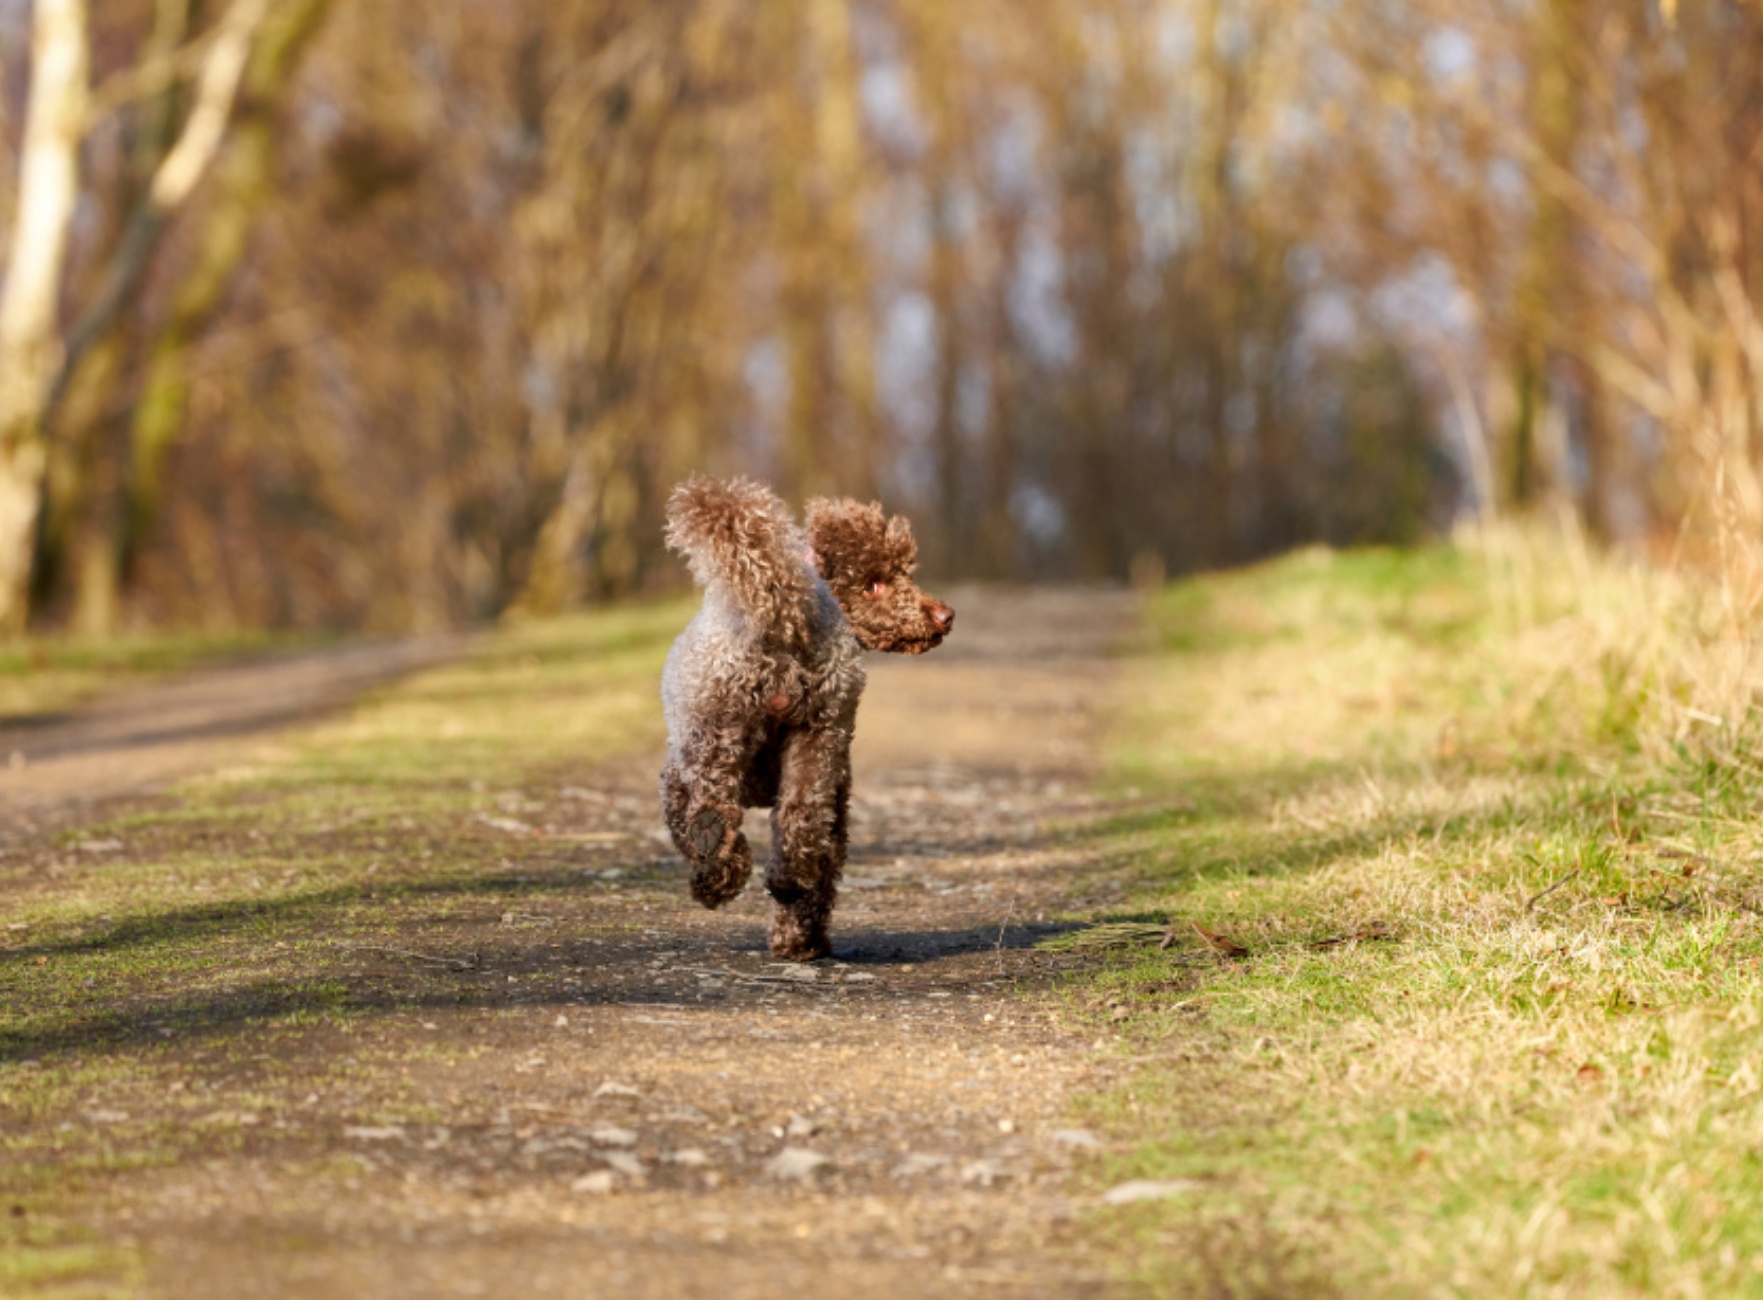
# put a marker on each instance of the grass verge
(44, 675)
(1457, 857)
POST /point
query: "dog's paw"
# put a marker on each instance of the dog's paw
(705, 833)
(716, 883)
(721, 862)
(793, 939)
(801, 951)
(794, 949)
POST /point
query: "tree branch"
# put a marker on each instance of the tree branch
(217, 87)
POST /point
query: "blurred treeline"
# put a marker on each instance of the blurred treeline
(1101, 288)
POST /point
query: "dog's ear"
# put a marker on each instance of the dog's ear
(839, 534)
(840, 519)
(856, 544)
(901, 545)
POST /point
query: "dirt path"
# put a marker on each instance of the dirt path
(621, 1095)
(57, 769)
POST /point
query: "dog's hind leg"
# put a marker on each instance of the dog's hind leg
(809, 835)
(701, 799)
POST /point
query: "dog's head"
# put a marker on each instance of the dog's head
(867, 559)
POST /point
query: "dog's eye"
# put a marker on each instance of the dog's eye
(877, 589)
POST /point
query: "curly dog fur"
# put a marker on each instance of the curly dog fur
(761, 689)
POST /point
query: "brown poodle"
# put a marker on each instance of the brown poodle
(761, 689)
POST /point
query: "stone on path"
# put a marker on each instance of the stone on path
(1146, 1189)
(795, 1163)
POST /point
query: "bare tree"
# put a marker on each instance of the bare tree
(40, 362)
(29, 339)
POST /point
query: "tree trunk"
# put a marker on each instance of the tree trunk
(87, 417)
(29, 342)
(558, 576)
(995, 547)
(953, 540)
(244, 181)
(1532, 473)
(178, 170)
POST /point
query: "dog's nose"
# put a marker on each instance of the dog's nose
(942, 616)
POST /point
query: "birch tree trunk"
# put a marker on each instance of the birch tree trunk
(233, 131)
(29, 341)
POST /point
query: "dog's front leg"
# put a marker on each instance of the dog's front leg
(809, 834)
(701, 797)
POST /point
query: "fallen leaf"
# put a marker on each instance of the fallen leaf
(1221, 944)
(598, 1183)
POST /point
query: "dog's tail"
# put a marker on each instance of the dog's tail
(738, 537)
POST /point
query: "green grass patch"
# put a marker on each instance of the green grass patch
(67, 1271)
(1482, 1010)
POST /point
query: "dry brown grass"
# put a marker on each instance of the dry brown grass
(1526, 1092)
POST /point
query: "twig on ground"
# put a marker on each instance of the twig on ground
(788, 981)
(452, 963)
(1537, 898)
(1109, 934)
(1708, 818)
(1003, 926)
(1376, 930)
(1129, 934)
